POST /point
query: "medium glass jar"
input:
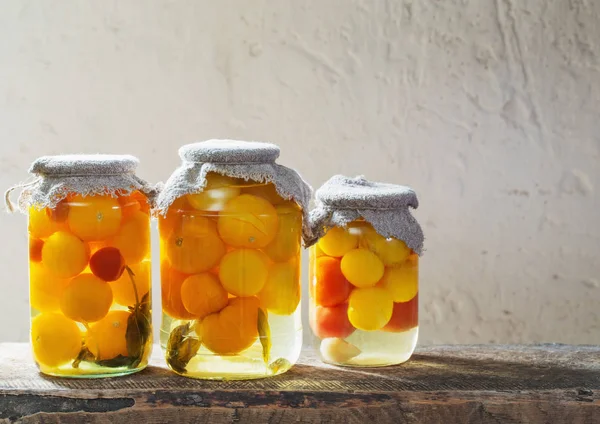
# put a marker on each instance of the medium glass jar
(230, 279)
(363, 297)
(89, 265)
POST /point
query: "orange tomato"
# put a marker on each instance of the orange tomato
(171, 281)
(203, 294)
(233, 329)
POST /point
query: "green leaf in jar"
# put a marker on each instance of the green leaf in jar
(145, 304)
(84, 355)
(117, 361)
(264, 333)
(138, 325)
(181, 348)
(137, 335)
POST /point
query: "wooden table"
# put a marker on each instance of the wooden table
(441, 384)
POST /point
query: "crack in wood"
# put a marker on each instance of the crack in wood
(16, 407)
(287, 399)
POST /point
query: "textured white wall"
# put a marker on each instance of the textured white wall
(489, 109)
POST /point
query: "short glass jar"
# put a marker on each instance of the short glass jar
(363, 286)
(230, 280)
(90, 275)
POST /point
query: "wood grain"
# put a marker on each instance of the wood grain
(441, 384)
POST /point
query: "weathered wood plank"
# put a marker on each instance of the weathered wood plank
(446, 384)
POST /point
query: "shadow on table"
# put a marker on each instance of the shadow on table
(422, 373)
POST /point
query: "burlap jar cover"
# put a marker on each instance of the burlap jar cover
(56, 177)
(342, 200)
(251, 161)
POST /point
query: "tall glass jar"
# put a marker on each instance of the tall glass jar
(363, 289)
(230, 280)
(89, 273)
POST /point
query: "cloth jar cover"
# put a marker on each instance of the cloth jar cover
(342, 200)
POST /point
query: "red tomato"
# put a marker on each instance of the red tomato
(331, 322)
(404, 316)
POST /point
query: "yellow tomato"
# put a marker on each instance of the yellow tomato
(45, 289)
(281, 293)
(248, 221)
(86, 299)
(94, 217)
(40, 224)
(106, 338)
(122, 289)
(287, 241)
(133, 238)
(401, 281)
(362, 267)
(370, 308)
(243, 272)
(337, 242)
(56, 339)
(194, 252)
(64, 255)
(218, 191)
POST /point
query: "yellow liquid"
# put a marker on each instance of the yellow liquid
(378, 348)
(286, 336)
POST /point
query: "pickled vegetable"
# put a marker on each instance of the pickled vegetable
(401, 281)
(65, 255)
(248, 221)
(331, 322)
(203, 294)
(218, 191)
(182, 250)
(56, 339)
(94, 217)
(244, 272)
(330, 286)
(281, 292)
(370, 308)
(362, 267)
(337, 242)
(232, 329)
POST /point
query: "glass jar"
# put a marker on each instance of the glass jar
(364, 303)
(89, 265)
(364, 277)
(230, 280)
(89, 285)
